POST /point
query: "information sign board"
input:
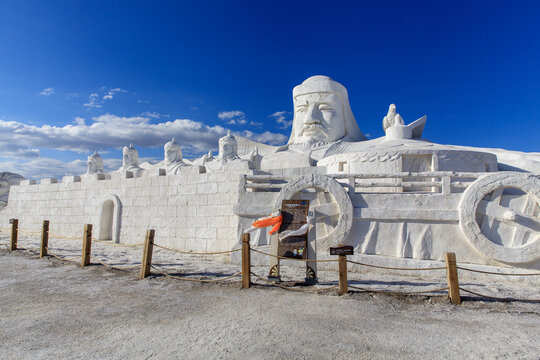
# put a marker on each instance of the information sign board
(294, 216)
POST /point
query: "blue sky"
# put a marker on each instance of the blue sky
(78, 76)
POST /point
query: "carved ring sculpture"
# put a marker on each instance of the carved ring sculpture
(505, 228)
(332, 207)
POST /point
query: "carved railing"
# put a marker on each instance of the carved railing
(444, 182)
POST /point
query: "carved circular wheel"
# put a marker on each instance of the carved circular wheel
(500, 216)
(330, 203)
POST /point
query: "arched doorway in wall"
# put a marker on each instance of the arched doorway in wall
(109, 219)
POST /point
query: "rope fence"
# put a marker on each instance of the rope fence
(497, 273)
(115, 245)
(196, 253)
(115, 267)
(286, 258)
(453, 287)
(499, 298)
(395, 268)
(190, 279)
(63, 258)
(62, 237)
(292, 288)
(399, 292)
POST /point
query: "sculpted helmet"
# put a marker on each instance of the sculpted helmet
(174, 146)
(133, 153)
(230, 140)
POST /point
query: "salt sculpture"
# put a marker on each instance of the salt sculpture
(398, 196)
(95, 164)
(130, 164)
(227, 155)
(173, 157)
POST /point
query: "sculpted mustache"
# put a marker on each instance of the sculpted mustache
(311, 126)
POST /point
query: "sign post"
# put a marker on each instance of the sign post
(342, 251)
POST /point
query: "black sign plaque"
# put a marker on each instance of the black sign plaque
(294, 216)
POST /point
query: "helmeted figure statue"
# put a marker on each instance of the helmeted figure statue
(130, 161)
(173, 157)
(95, 164)
(228, 153)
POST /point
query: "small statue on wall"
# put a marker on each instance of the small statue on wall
(173, 157)
(130, 161)
(228, 153)
(95, 164)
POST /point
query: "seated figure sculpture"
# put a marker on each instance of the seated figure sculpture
(322, 120)
(130, 161)
(95, 164)
(227, 156)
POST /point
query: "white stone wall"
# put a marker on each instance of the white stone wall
(190, 211)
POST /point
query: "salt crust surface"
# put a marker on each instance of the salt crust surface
(53, 309)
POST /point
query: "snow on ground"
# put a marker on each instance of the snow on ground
(55, 309)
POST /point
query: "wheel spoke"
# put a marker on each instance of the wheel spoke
(508, 216)
(327, 209)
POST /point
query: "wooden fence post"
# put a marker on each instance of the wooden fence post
(14, 234)
(44, 239)
(342, 251)
(246, 261)
(452, 278)
(147, 253)
(87, 245)
(342, 273)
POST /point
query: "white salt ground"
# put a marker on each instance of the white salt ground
(54, 309)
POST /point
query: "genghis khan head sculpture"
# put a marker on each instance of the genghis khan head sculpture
(322, 114)
(95, 164)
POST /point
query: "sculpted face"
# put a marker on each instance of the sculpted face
(228, 147)
(92, 166)
(173, 152)
(130, 157)
(95, 164)
(171, 155)
(318, 116)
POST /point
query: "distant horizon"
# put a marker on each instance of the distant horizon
(79, 77)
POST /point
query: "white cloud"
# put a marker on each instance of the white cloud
(20, 143)
(112, 92)
(154, 115)
(79, 121)
(112, 131)
(93, 101)
(226, 115)
(234, 117)
(280, 118)
(254, 123)
(266, 137)
(39, 168)
(47, 92)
